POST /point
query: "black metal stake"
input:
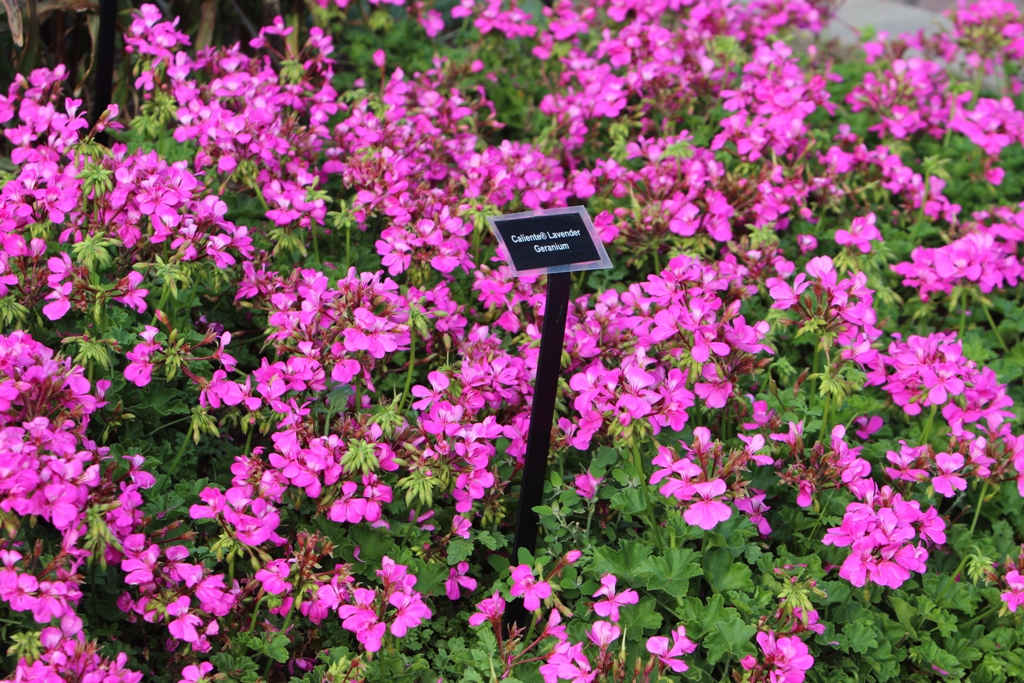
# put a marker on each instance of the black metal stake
(103, 86)
(538, 440)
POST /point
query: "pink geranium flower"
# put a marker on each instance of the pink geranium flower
(490, 609)
(715, 390)
(1014, 595)
(946, 482)
(533, 591)
(457, 580)
(708, 512)
(861, 233)
(669, 655)
(609, 606)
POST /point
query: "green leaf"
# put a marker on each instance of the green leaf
(701, 619)
(635, 619)
(672, 573)
(928, 654)
(606, 457)
(732, 637)
(725, 575)
(622, 563)
(863, 635)
(373, 543)
(165, 403)
(628, 501)
(904, 614)
(490, 541)
(884, 662)
(273, 645)
(459, 550)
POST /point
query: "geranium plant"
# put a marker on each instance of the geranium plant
(265, 381)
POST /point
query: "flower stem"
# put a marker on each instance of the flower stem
(412, 366)
(928, 425)
(638, 464)
(981, 501)
(824, 417)
(963, 318)
(984, 615)
(992, 324)
(181, 452)
(348, 245)
(284, 629)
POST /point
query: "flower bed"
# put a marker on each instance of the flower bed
(265, 383)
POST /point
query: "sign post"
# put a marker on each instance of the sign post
(557, 242)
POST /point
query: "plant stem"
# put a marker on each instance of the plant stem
(638, 465)
(928, 425)
(992, 324)
(981, 501)
(284, 629)
(824, 416)
(412, 366)
(169, 424)
(824, 509)
(348, 245)
(181, 452)
(981, 616)
(963, 318)
(256, 613)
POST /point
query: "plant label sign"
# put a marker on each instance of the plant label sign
(560, 240)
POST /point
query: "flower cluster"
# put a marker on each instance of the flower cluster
(880, 531)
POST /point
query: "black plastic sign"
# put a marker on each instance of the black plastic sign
(557, 242)
(550, 241)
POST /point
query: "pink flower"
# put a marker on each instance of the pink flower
(941, 380)
(533, 591)
(132, 295)
(490, 609)
(861, 233)
(184, 627)
(586, 485)
(457, 578)
(371, 635)
(784, 295)
(868, 425)
(603, 634)
(196, 673)
(670, 656)
(806, 243)
(786, 658)
(275, 575)
(609, 607)
(716, 391)
(708, 512)
(410, 611)
(946, 482)
(755, 508)
(567, 662)
(805, 496)
(1014, 596)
